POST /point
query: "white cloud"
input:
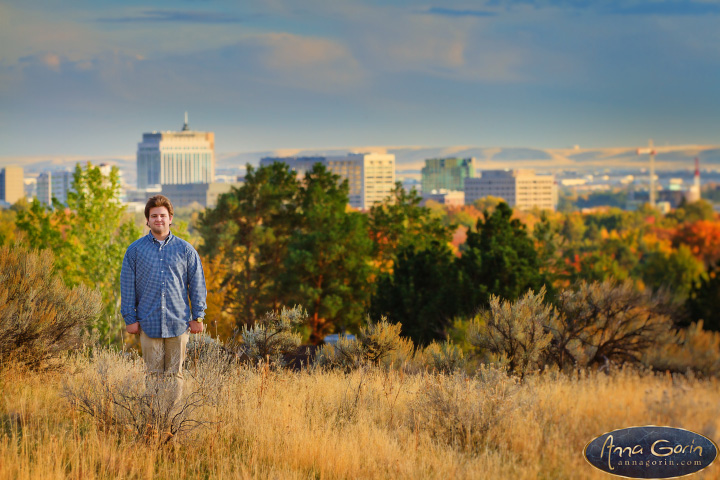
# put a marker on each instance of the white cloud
(308, 62)
(400, 40)
(26, 33)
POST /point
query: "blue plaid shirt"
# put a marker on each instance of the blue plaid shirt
(158, 283)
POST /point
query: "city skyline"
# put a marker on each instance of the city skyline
(86, 79)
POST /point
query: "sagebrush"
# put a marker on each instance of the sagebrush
(114, 388)
(40, 318)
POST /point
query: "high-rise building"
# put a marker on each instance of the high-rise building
(12, 184)
(54, 185)
(446, 173)
(204, 194)
(172, 158)
(521, 189)
(370, 176)
(61, 184)
(57, 184)
(44, 188)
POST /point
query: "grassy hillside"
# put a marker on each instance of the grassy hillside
(370, 423)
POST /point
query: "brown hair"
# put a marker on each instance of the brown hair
(158, 201)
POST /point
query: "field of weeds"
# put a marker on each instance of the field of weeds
(87, 421)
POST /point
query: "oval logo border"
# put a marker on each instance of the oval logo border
(585, 455)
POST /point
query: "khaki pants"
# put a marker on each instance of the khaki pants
(164, 358)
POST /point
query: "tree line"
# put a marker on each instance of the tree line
(279, 240)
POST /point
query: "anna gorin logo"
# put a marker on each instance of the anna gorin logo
(651, 452)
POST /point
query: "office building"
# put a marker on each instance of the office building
(205, 194)
(173, 158)
(446, 173)
(57, 184)
(62, 184)
(521, 189)
(12, 184)
(43, 190)
(370, 176)
(54, 185)
(300, 165)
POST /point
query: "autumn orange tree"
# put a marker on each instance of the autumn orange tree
(703, 239)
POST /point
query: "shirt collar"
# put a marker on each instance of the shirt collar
(155, 240)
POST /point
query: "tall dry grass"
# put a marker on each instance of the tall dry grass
(369, 423)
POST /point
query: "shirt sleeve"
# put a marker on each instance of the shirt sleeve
(196, 284)
(127, 288)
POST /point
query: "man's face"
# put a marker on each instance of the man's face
(159, 221)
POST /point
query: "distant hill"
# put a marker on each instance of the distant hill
(413, 158)
(410, 159)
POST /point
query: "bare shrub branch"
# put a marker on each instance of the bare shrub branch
(606, 322)
(114, 389)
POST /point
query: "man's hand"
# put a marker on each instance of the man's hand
(133, 328)
(196, 327)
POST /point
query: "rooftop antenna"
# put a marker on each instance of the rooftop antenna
(186, 127)
(651, 151)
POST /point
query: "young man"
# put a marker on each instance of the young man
(163, 294)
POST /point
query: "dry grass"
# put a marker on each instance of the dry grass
(370, 423)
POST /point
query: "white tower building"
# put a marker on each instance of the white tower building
(521, 189)
(172, 158)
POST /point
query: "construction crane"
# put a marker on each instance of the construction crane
(650, 150)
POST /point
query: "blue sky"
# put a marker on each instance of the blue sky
(89, 77)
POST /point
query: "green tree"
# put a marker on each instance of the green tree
(8, 219)
(400, 221)
(250, 229)
(419, 293)
(618, 220)
(327, 268)
(88, 237)
(411, 249)
(692, 212)
(573, 228)
(567, 201)
(677, 271)
(499, 259)
(548, 241)
(488, 203)
(704, 300)
(615, 198)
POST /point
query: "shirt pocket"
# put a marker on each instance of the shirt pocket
(176, 263)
